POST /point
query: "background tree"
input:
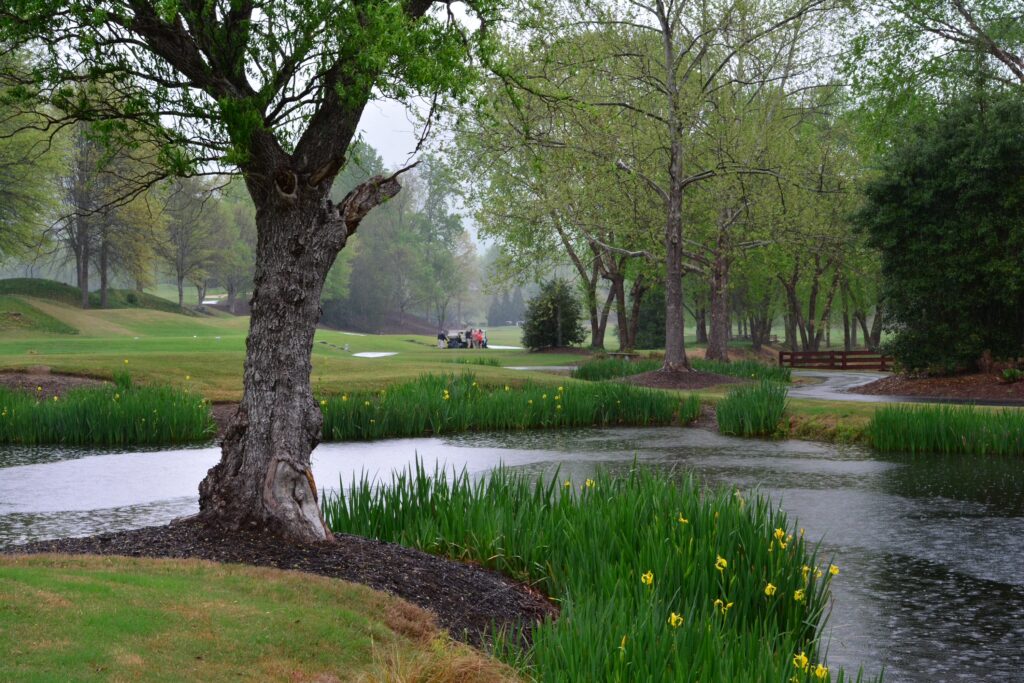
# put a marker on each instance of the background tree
(188, 246)
(947, 213)
(553, 317)
(29, 169)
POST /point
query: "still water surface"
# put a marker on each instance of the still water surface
(932, 583)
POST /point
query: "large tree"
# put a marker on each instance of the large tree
(276, 89)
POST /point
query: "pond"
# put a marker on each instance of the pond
(932, 583)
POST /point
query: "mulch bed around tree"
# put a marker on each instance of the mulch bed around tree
(659, 379)
(41, 381)
(979, 387)
(468, 600)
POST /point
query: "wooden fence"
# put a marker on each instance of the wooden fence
(836, 360)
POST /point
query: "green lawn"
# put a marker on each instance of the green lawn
(126, 619)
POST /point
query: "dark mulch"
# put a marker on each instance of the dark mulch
(660, 379)
(979, 387)
(467, 600)
(40, 380)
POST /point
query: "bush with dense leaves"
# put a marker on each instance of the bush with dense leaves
(553, 317)
(947, 214)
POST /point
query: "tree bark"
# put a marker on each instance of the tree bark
(104, 248)
(263, 481)
(598, 334)
(718, 337)
(181, 291)
(83, 275)
(618, 287)
(874, 339)
(701, 318)
(636, 296)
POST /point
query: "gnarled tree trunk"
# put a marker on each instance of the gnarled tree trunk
(263, 481)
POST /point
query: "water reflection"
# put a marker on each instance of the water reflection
(932, 586)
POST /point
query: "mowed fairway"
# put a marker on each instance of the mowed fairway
(207, 353)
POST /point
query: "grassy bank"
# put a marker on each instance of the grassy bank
(449, 403)
(657, 580)
(123, 619)
(72, 296)
(752, 410)
(119, 415)
(948, 430)
(612, 368)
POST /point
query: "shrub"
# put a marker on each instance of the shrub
(445, 404)
(553, 317)
(947, 430)
(1013, 375)
(753, 410)
(621, 555)
(943, 197)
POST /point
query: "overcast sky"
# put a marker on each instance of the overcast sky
(387, 127)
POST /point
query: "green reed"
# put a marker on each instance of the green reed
(947, 429)
(449, 403)
(620, 555)
(121, 415)
(752, 410)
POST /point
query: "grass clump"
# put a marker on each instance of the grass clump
(949, 430)
(746, 369)
(121, 415)
(752, 410)
(448, 403)
(657, 580)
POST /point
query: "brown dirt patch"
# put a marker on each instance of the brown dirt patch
(40, 380)
(978, 386)
(468, 601)
(659, 379)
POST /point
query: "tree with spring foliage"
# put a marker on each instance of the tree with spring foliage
(553, 317)
(274, 89)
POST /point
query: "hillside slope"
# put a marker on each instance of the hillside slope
(72, 296)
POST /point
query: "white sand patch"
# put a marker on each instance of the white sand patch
(354, 334)
(375, 354)
(503, 348)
